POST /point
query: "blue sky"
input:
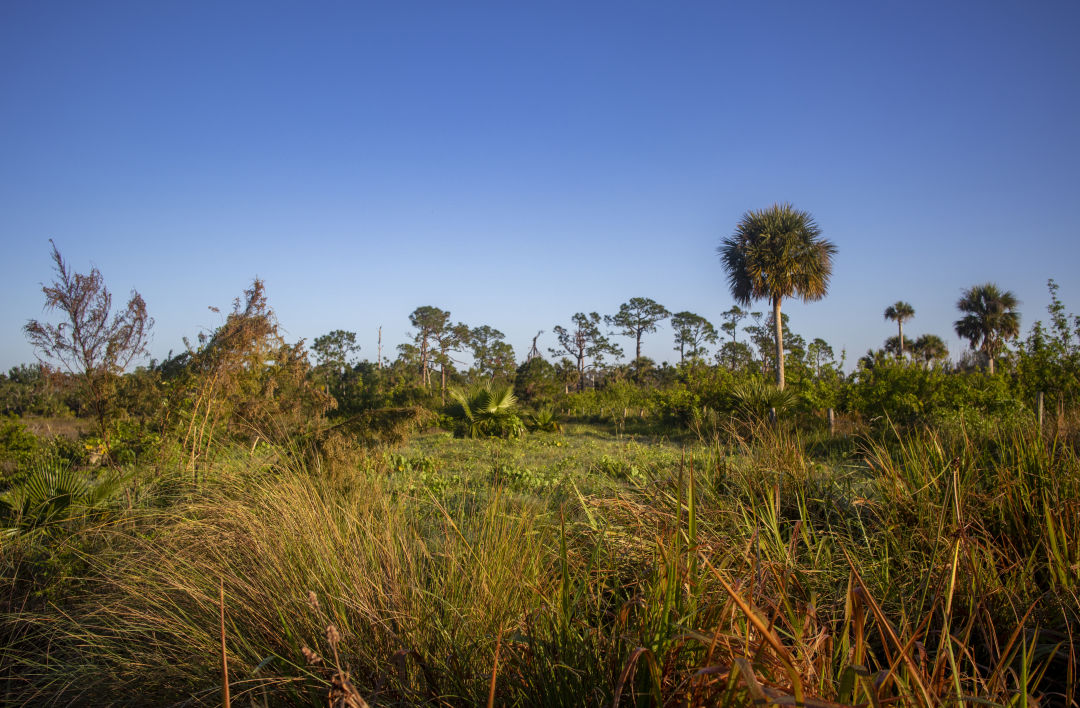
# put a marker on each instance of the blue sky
(514, 163)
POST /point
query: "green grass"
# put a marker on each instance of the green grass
(599, 566)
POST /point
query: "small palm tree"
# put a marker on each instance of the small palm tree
(893, 346)
(929, 348)
(753, 398)
(900, 312)
(873, 358)
(990, 319)
(777, 253)
(486, 410)
(544, 420)
(51, 496)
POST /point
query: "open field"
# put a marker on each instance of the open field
(68, 427)
(591, 567)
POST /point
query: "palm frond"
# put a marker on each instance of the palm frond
(990, 314)
(777, 252)
(461, 408)
(753, 398)
(50, 495)
(485, 410)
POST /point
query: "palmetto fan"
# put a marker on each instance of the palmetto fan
(486, 410)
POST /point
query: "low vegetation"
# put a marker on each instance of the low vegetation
(593, 566)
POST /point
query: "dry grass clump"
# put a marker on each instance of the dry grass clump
(393, 575)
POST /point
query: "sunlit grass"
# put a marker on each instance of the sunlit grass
(600, 567)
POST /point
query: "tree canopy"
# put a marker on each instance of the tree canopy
(692, 332)
(637, 317)
(584, 341)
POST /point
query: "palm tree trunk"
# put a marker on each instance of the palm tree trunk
(779, 325)
(900, 324)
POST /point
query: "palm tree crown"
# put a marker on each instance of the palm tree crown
(990, 319)
(900, 312)
(777, 253)
(929, 348)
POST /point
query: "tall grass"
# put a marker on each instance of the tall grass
(914, 569)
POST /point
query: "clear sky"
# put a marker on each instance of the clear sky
(516, 162)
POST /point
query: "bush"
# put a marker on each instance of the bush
(907, 394)
(618, 469)
(523, 478)
(544, 420)
(678, 405)
(18, 447)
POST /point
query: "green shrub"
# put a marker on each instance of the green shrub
(544, 420)
(132, 440)
(908, 394)
(18, 446)
(523, 478)
(678, 405)
(398, 463)
(618, 469)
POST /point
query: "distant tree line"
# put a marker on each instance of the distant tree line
(243, 378)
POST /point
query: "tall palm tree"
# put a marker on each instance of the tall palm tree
(990, 319)
(900, 312)
(776, 253)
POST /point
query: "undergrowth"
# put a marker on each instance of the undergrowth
(587, 568)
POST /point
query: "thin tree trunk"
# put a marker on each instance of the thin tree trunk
(900, 323)
(779, 325)
(638, 356)
(98, 403)
(424, 376)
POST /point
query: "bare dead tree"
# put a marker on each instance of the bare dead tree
(90, 344)
(534, 353)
